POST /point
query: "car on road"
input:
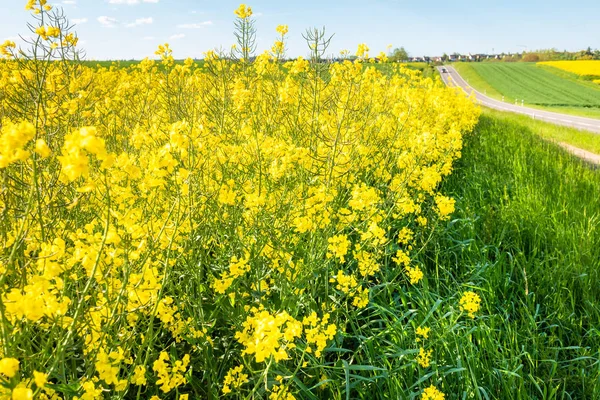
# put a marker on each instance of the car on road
(444, 70)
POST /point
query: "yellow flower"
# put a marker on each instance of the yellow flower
(281, 392)
(265, 335)
(108, 366)
(367, 263)
(170, 376)
(139, 375)
(13, 139)
(227, 194)
(278, 47)
(424, 357)
(338, 247)
(363, 51)
(234, 379)
(42, 148)
(579, 67)
(22, 393)
(423, 332)
(90, 392)
(431, 393)
(53, 31)
(445, 206)
(8, 44)
(361, 299)
(470, 302)
(414, 274)
(345, 283)
(40, 379)
(282, 29)
(9, 367)
(41, 30)
(298, 66)
(243, 11)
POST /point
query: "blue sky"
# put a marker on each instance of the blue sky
(126, 29)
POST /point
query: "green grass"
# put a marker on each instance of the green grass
(525, 236)
(583, 139)
(584, 80)
(536, 85)
(469, 74)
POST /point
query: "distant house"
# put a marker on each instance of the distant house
(477, 57)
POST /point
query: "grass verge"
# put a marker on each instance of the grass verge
(582, 139)
(525, 234)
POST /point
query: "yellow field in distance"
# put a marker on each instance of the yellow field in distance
(582, 67)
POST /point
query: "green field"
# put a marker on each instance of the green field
(525, 234)
(536, 86)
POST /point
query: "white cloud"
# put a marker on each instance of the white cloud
(79, 21)
(131, 2)
(178, 36)
(140, 21)
(107, 22)
(195, 26)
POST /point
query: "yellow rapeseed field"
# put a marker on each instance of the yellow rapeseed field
(583, 67)
(189, 231)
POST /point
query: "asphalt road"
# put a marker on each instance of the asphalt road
(582, 123)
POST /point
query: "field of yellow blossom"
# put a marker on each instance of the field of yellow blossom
(581, 67)
(238, 229)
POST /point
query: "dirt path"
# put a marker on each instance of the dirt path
(592, 158)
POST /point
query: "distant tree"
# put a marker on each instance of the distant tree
(445, 57)
(399, 54)
(531, 57)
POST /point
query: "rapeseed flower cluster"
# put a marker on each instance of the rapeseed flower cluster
(470, 302)
(173, 228)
